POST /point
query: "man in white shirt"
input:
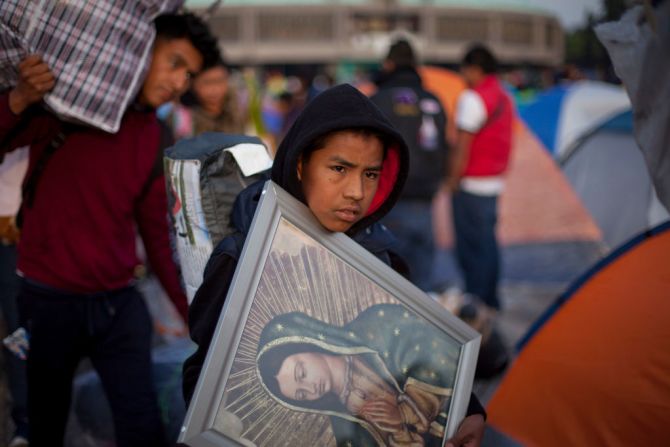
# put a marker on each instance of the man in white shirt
(484, 118)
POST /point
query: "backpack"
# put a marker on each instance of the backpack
(204, 175)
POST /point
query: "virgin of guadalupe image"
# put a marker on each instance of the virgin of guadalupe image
(385, 378)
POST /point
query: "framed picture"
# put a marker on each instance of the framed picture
(320, 343)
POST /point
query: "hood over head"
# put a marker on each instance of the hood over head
(340, 108)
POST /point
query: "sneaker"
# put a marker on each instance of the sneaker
(18, 441)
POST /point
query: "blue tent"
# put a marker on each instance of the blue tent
(565, 113)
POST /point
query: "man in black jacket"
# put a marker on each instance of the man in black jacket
(420, 118)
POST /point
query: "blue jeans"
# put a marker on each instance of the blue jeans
(16, 368)
(411, 222)
(113, 329)
(477, 250)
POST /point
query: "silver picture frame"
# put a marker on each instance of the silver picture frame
(292, 267)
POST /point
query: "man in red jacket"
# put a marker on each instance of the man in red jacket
(86, 194)
(484, 117)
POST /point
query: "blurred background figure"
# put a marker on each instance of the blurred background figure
(211, 105)
(12, 170)
(421, 120)
(484, 118)
(78, 299)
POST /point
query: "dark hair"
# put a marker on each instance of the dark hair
(191, 27)
(401, 54)
(480, 56)
(189, 99)
(270, 364)
(321, 141)
(285, 96)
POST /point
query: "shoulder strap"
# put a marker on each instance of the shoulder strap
(156, 171)
(166, 140)
(30, 184)
(497, 111)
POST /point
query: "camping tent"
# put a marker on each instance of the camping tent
(564, 113)
(608, 171)
(588, 127)
(538, 204)
(594, 369)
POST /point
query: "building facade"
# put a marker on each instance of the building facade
(316, 32)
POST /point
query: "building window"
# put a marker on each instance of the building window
(384, 22)
(452, 28)
(274, 27)
(226, 28)
(551, 32)
(517, 32)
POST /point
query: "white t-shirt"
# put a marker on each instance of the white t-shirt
(470, 111)
(471, 116)
(12, 170)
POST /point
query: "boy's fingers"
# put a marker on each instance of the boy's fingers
(43, 78)
(45, 87)
(35, 70)
(29, 61)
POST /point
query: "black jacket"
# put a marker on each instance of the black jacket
(338, 108)
(420, 118)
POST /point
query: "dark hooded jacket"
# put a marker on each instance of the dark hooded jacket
(339, 108)
(420, 118)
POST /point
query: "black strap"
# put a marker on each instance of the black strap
(30, 184)
(156, 171)
(165, 140)
(496, 112)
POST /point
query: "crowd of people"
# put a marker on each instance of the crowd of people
(68, 279)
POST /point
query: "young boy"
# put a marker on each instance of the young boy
(345, 161)
(77, 253)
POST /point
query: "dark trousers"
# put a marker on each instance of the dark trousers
(477, 250)
(411, 222)
(16, 368)
(114, 330)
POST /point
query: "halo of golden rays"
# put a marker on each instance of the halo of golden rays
(299, 275)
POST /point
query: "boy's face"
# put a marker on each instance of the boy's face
(174, 63)
(340, 180)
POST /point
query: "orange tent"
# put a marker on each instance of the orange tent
(596, 368)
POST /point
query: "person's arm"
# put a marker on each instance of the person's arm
(35, 80)
(151, 214)
(205, 311)
(459, 157)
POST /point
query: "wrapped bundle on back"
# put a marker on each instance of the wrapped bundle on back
(204, 174)
(98, 51)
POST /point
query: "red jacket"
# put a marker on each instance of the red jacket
(492, 145)
(79, 235)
